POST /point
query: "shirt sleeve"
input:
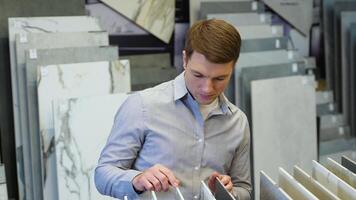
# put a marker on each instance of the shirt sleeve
(240, 171)
(114, 172)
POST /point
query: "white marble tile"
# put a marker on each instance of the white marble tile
(74, 80)
(312, 185)
(341, 172)
(270, 190)
(157, 16)
(332, 182)
(243, 19)
(48, 57)
(298, 13)
(38, 25)
(205, 193)
(31, 41)
(292, 187)
(283, 120)
(81, 123)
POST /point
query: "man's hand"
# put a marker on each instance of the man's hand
(225, 179)
(157, 178)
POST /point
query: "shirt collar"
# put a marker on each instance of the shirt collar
(180, 90)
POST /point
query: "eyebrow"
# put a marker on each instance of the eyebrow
(222, 76)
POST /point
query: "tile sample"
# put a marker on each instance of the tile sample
(277, 136)
(74, 120)
(334, 133)
(270, 190)
(292, 187)
(339, 145)
(346, 175)
(263, 44)
(331, 121)
(298, 13)
(157, 17)
(332, 182)
(326, 109)
(73, 80)
(113, 22)
(349, 164)
(23, 25)
(31, 41)
(249, 74)
(336, 156)
(347, 18)
(323, 97)
(50, 57)
(259, 31)
(243, 19)
(312, 185)
(230, 7)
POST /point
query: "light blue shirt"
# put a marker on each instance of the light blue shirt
(163, 125)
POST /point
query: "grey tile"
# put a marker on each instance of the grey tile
(336, 145)
(331, 121)
(334, 133)
(349, 164)
(270, 190)
(323, 97)
(260, 31)
(49, 57)
(243, 19)
(263, 44)
(283, 120)
(230, 7)
(326, 109)
(298, 13)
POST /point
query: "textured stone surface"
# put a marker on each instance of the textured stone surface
(270, 190)
(243, 19)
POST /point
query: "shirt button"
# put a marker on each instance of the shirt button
(200, 140)
(196, 168)
(195, 196)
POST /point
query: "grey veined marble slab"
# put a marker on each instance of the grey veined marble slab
(230, 7)
(243, 19)
(260, 31)
(70, 81)
(75, 119)
(40, 25)
(277, 134)
(50, 57)
(270, 190)
(312, 185)
(263, 44)
(297, 12)
(292, 187)
(32, 41)
(157, 17)
(332, 182)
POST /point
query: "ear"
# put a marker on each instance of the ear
(184, 60)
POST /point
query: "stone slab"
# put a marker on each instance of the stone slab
(347, 18)
(70, 81)
(243, 19)
(230, 7)
(263, 44)
(250, 74)
(22, 25)
(298, 13)
(326, 109)
(331, 121)
(340, 171)
(333, 147)
(312, 185)
(324, 97)
(260, 31)
(332, 182)
(270, 190)
(292, 187)
(277, 136)
(113, 22)
(157, 17)
(75, 119)
(30, 41)
(338, 8)
(348, 163)
(333, 133)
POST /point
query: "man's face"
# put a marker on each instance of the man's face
(205, 80)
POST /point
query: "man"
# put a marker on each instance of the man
(182, 131)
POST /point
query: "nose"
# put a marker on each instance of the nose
(207, 86)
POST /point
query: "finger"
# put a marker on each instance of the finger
(163, 180)
(146, 184)
(171, 178)
(212, 179)
(225, 179)
(229, 186)
(154, 181)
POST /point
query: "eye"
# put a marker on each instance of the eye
(198, 75)
(220, 78)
